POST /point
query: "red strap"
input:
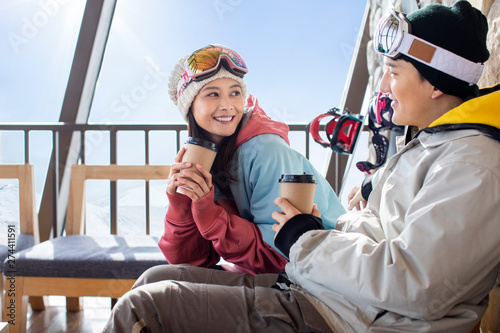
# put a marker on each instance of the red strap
(314, 128)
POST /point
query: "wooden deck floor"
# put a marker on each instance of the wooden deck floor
(55, 318)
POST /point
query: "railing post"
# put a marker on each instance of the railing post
(26, 146)
(113, 197)
(147, 189)
(54, 165)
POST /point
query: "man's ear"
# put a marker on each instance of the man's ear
(436, 93)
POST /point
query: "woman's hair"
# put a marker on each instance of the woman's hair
(224, 166)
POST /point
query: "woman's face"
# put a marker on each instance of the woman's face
(218, 108)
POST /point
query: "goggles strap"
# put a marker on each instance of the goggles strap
(313, 128)
(440, 59)
(381, 145)
(342, 131)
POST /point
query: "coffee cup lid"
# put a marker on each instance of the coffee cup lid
(303, 178)
(202, 143)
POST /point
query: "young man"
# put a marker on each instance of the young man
(424, 253)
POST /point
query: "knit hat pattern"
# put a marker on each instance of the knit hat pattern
(461, 29)
(187, 96)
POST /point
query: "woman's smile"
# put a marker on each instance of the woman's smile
(224, 119)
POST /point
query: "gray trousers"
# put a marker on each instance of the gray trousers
(183, 298)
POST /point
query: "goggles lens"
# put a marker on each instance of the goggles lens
(387, 34)
(204, 62)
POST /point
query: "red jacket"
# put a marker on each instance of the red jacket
(200, 232)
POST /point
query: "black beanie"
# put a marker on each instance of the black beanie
(461, 29)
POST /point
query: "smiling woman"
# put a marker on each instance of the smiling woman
(226, 211)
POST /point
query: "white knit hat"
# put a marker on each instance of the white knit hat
(187, 96)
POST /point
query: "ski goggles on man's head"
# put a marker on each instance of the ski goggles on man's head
(205, 62)
(393, 37)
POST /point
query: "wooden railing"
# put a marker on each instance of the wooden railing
(54, 198)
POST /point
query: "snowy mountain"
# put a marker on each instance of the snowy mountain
(9, 208)
(131, 210)
(9, 203)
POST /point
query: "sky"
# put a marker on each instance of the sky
(298, 53)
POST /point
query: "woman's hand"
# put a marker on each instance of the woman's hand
(199, 185)
(179, 176)
(287, 212)
(175, 169)
(355, 199)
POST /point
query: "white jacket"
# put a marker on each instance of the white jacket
(425, 253)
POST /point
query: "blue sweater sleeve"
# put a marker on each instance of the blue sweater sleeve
(261, 161)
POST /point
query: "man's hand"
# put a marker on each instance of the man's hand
(287, 212)
(355, 199)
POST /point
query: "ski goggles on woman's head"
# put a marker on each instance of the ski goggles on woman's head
(393, 37)
(205, 62)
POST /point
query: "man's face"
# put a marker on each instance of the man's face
(410, 93)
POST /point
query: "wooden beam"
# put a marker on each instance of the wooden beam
(352, 99)
(82, 81)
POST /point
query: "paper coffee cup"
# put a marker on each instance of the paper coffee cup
(199, 151)
(299, 191)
